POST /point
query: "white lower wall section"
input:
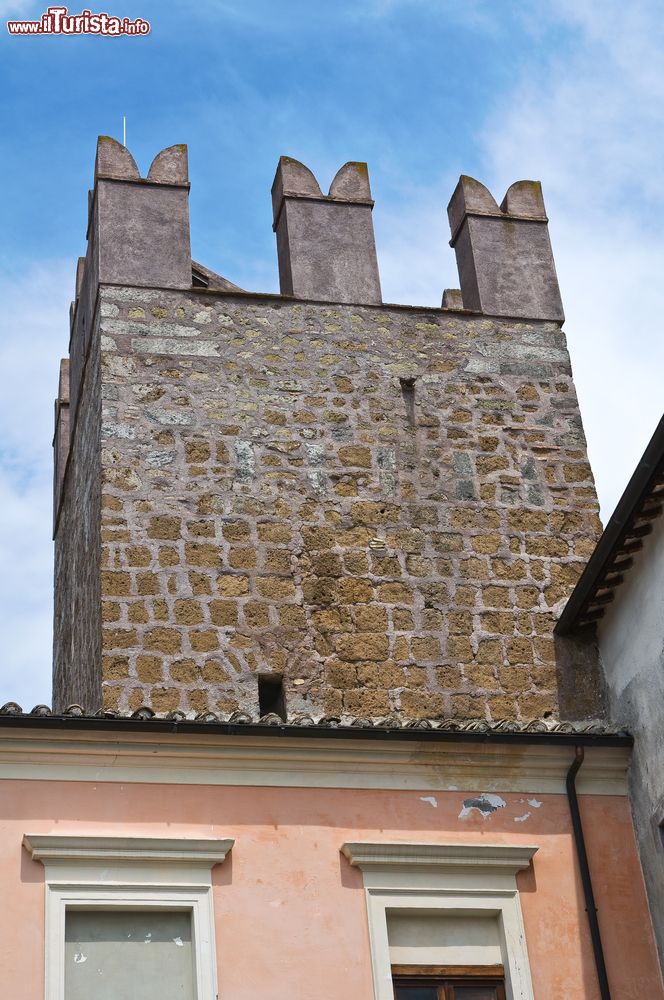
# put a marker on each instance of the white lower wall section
(452, 938)
(145, 955)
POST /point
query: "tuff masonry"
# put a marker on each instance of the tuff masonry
(381, 508)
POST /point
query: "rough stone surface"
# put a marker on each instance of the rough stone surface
(138, 234)
(77, 646)
(62, 432)
(386, 506)
(504, 254)
(325, 245)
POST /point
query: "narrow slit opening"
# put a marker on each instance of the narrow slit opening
(271, 697)
(408, 393)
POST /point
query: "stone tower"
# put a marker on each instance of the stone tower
(315, 502)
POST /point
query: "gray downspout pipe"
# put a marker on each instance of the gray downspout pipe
(586, 881)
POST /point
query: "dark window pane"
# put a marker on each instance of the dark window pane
(415, 993)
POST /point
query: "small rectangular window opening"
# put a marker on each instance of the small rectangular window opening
(408, 393)
(271, 697)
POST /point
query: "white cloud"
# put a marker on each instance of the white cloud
(35, 333)
(415, 260)
(587, 121)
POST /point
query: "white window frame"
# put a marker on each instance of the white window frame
(128, 873)
(464, 879)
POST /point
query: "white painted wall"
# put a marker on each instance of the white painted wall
(631, 642)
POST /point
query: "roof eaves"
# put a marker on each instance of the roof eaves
(549, 730)
(641, 502)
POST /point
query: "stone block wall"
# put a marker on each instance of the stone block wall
(78, 538)
(385, 506)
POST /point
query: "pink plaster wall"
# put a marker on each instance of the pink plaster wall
(290, 913)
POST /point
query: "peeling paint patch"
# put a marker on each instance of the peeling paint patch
(431, 799)
(485, 804)
(535, 803)
(80, 957)
(178, 942)
(522, 819)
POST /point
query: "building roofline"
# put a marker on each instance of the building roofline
(280, 298)
(537, 731)
(629, 524)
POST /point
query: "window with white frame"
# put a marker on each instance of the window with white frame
(445, 919)
(128, 916)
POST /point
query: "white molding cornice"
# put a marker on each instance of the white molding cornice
(444, 879)
(53, 848)
(489, 858)
(104, 872)
(319, 763)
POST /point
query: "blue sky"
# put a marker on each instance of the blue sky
(571, 93)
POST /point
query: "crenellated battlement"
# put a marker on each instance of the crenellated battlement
(138, 234)
(114, 162)
(313, 501)
(325, 243)
(504, 253)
